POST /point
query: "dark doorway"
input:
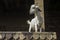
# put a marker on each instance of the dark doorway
(14, 14)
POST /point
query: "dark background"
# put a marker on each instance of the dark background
(52, 16)
(15, 13)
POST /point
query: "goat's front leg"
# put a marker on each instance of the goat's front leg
(40, 29)
(30, 28)
(35, 27)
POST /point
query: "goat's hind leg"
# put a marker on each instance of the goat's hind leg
(35, 27)
(40, 29)
(30, 28)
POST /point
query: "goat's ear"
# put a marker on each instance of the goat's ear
(40, 10)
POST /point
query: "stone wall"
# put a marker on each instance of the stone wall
(27, 36)
(40, 3)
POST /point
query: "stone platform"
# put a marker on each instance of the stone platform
(28, 36)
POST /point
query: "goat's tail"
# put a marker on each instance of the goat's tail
(28, 22)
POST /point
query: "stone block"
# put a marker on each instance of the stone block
(28, 35)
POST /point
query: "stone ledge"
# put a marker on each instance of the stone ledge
(28, 35)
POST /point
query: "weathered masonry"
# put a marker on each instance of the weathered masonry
(27, 36)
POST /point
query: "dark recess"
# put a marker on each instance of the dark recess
(52, 16)
(14, 14)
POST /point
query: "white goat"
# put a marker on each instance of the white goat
(37, 20)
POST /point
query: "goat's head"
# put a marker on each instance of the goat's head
(32, 9)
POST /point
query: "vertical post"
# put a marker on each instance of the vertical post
(41, 5)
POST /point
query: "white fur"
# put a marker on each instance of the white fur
(33, 24)
(37, 20)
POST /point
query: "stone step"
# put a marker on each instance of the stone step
(28, 36)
